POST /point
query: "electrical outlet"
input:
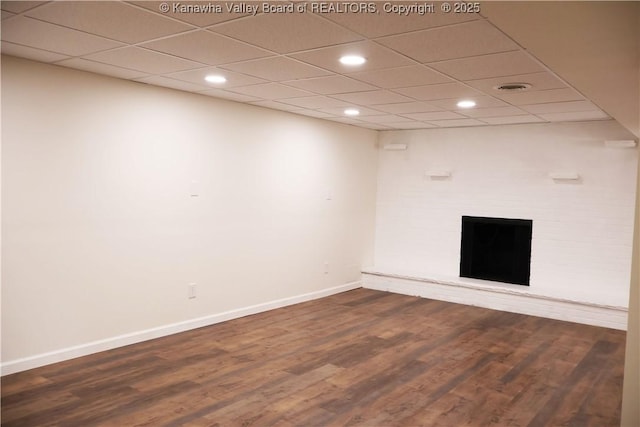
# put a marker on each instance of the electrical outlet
(326, 268)
(191, 288)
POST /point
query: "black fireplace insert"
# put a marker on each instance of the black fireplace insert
(497, 249)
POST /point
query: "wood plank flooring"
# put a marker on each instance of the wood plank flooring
(360, 358)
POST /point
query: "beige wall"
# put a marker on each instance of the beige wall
(100, 234)
(631, 394)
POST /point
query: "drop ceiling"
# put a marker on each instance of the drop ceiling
(417, 68)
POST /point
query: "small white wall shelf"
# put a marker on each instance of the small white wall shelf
(439, 173)
(564, 176)
(395, 147)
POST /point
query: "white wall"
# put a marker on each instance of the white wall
(100, 236)
(582, 231)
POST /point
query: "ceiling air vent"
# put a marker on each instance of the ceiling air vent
(513, 87)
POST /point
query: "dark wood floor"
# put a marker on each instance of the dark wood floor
(361, 358)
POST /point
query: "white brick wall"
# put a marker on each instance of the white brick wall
(582, 231)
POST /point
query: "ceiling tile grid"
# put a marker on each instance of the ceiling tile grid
(275, 105)
(453, 42)
(364, 112)
(331, 85)
(33, 33)
(418, 66)
(277, 69)
(100, 68)
(20, 6)
(401, 77)
(33, 53)
(201, 19)
(148, 61)
(113, 20)
(233, 79)
(295, 33)
(206, 47)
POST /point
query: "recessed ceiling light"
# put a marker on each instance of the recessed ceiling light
(352, 60)
(351, 112)
(466, 103)
(215, 79)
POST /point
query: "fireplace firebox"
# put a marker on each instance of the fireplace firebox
(496, 249)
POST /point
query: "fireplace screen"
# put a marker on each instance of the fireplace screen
(496, 249)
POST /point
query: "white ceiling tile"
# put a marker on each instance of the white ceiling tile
(407, 107)
(383, 23)
(410, 125)
(315, 102)
(331, 85)
(344, 120)
(539, 81)
(574, 116)
(374, 126)
(482, 101)
(277, 69)
(198, 77)
(143, 60)
(386, 118)
(231, 96)
(50, 37)
(171, 83)
(495, 65)
(114, 20)
(456, 123)
(19, 6)
(314, 113)
(339, 111)
(270, 91)
(302, 31)
(378, 57)
(560, 107)
(457, 41)
(492, 112)
(414, 75)
(373, 97)
(206, 47)
(30, 53)
(198, 13)
(437, 115)
(440, 91)
(509, 120)
(276, 105)
(99, 68)
(541, 96)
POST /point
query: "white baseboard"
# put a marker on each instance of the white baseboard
(31, 362)
(473, 292)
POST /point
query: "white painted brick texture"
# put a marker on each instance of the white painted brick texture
(582, 231)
